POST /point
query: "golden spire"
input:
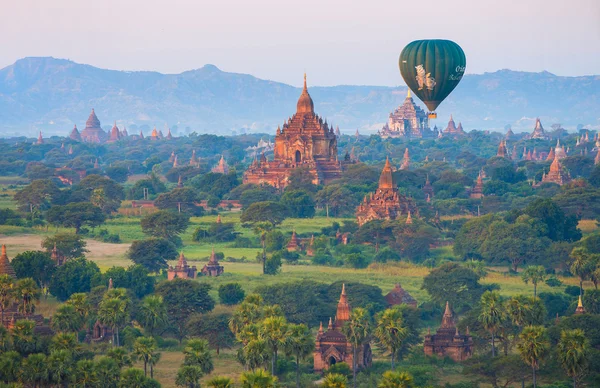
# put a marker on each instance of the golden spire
(579, 303)
(305, 88)
(344, 289)
(408, 94)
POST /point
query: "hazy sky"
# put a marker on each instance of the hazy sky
(335, 42)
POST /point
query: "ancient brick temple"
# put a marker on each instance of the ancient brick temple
(93, 133)
(305, 140)
(399, 296)
(477, 190)
(332, 346)
(407, 120)
(386, 203)
(182, 270)
(447, 341)
(212, 268)
(538, 131)
(556, 174)
(502, 150)
(452, 129)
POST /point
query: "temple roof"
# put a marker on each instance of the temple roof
(92, 121)
(5, 267)
(386, 180)
(343, 309)
(305, 103)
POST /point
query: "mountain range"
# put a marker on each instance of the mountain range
(49, 94)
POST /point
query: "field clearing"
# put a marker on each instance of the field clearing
(587, 226)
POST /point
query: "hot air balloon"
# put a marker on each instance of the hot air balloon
(432, 69)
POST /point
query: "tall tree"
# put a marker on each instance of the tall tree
(143, 349)
(152, 253)
(36, 265)
(582, 264)
(153, 313)
(573, 353)
(27, 293)
(453, 283)
(258, 378)
(7, 296)
(271, 212)
(300, 344)
(534, 274)
(393, 379)
(68, 245)
(113, 312)
(60, 366)
(274, 331)
(212, 327)
(73, 277)
(66, 319)
(35, 370)
(533, 347)
(165, 224)
(492, 315)
(188, 376)
(37, 195)
(390, 331)
(75, 215)
(357, 330)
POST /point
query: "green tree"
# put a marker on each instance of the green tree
(189, 376)
(393, 379)
(69, 246)
(231, 293)
(272, 212)
(60, 366)
(573, 353)
(67, 319)
(492, 315)
(453, 283)
(533, 347)
(152, 253)
(7, 295)
(181, 200)
(299, 203)
(26, 294)
(220, 382)
(73, 277)
(36, 265)
(143, 349)
(35, 370)
(335, 380)
(120, 356)
(37, 195)
(212, 327)
(107, 372)
(258, 378)
(582, 264)
(559, 226)
(10, 365)
(134, 378)
(113, 312)
(272, 265)
(85, 375)
(165, 224)
(390, 332)
(357, 330)
(183, 298)
(534, 274)
(153, 313)
(197, 354)
(298, 343)
(75, 215)
(110, 190)
(117, 174)
(274, 331)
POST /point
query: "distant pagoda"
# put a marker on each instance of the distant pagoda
(93, 133)
(222, 167)
(502, 151)
(115, 134)
(75, 135)
(212, 268)
(538, 131)
(386, 203)
(182, 270)
(405, 160)
(556, 175)
(452, 129)
(447, 341)
(407, 120)
(477, 190)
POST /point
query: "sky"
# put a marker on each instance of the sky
(334, 42)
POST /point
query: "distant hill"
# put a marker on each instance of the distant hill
(53, 94)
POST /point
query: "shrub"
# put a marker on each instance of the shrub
(231, 293)
(572, 290)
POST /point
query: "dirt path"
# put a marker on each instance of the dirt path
(104, 254)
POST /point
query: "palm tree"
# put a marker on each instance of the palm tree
(477, 266)
(85, 374)
(34, 370)
(113, 312)
(120, 356)
(573, 353)
(10, 365)
(80, 303)
(258, 378)
(189, 376)
(66, 319)
(132, 378)
(273, 330)
(66, 341)
(393, 379)
(107, 372)
(143, 349)
(533, 347)
(357, 331)
(197, 353)
(492, 315)
(581, 265)
(220, 382)
(518, 310)
(534, 274)
(7, 285)
(28, 293)
(152, 361)
(335, 380)
(153, 313)
(256, 353)
(60, 364)
(299, 343)
(390, 332)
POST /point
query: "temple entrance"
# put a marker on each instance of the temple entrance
(298, 157)
(332, 361)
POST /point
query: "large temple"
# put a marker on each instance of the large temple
(407, 120)
(386, 203)
(452, 129)
(332, 346)
(305, 140)
(447, 341)
(556, 174)
(92, 132)
(538, 131)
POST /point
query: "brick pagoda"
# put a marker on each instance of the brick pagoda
(447, 341)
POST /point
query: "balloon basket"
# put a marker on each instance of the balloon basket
(432, 115)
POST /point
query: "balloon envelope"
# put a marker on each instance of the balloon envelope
(432, 69)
